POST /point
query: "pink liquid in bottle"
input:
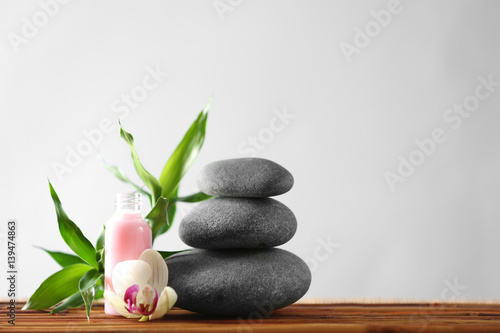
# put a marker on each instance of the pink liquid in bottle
(127, 236)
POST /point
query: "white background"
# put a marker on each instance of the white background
(352, 121)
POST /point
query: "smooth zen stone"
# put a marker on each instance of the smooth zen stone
(245, 177)
(223, 223)
(237, 282)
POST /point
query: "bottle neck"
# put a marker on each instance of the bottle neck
(128, 203)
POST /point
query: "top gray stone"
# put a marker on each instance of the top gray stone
(245, 177)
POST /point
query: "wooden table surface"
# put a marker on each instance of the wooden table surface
(338, 317)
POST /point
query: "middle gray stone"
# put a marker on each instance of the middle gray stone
(224, 223)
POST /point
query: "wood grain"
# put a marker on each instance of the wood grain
(338, 317)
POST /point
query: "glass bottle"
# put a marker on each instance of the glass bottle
(127, 236)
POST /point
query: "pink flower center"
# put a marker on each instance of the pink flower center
(147, 300)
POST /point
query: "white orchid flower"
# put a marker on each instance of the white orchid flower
(136, 284)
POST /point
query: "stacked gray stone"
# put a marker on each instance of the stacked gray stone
(234, 268)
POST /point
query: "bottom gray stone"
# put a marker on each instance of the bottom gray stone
(237, 282)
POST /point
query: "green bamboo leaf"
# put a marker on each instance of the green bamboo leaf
(99, 288)
(71, 234)
(197, 197)
(100, 257)
(121, 176)
(184, 155)
(73, 301)
(99, 293)
(158, 216)
(87, 288)
(100, 240)
(63, 259)
(150, 181)
(166, 254)
(76, 299)
(88, 298)
(57, 287)
(170, 214)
